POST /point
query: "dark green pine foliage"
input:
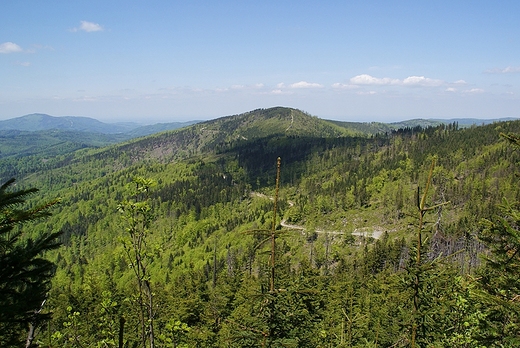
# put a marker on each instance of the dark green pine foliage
(500, 275)
(287, 317)
(24, 274)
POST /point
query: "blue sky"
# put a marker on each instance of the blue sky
(160, 61)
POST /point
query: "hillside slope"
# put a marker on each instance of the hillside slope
(213, 203)
(222, 133)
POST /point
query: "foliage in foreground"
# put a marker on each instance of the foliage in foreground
(25, 276)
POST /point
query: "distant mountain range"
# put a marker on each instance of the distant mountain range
(43, 122)
(50, 136)
(476, 121)
(45, 135)
(380, 127)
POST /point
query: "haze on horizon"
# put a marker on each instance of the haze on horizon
(162, 61)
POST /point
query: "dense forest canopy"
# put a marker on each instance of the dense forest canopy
(191, 264)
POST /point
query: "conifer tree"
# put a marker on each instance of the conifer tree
(499, 277)
(422, 275)
(25, 275)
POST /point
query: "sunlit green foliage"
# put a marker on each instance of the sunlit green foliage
(345, 221)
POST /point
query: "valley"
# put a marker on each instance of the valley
(201, 200)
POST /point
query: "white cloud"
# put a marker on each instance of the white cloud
(10, 47)
(367, 93)
(460, 82)
(451, 89)
(24, 63)
(279, 92)
(305, 84)
(369, 80)
(88, 27)
(344, 86)
(247, 87)
(507, 70)
(511, 69)
(366, 79)
(422, 81)
(301, 84)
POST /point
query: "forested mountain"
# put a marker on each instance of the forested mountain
(39, 122)
(174, 233)
(40, 135)
(379, 127)
(44, 135)
(15, 143)
(467, 122)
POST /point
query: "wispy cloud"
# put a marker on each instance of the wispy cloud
(366, 79)
(507, 70)
(37, 47)
(279, 91)
(297, 85)
(247, 87)
(344, 86)
(88, 27)
(410, 81)
(454, 87)
(474, 91)
(9, 47)
(422, 81)
(86, 98)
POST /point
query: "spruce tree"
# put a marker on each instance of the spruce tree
(500, 276)
(25, 275)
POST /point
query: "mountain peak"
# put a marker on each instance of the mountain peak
(274, 121)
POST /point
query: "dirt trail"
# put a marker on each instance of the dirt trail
(375, 233)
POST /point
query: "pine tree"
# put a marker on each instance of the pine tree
(499, 277)
(25, 275)
(422, 275)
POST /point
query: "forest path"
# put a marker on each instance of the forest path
(292, 121)
(375, 233)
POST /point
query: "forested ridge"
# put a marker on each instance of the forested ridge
(202, 202)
